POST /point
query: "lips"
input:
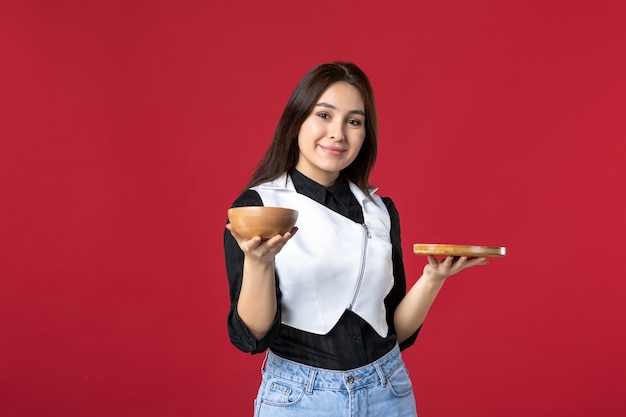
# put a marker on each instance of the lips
(332, 150)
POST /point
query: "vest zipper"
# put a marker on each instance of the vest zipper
(366, 236)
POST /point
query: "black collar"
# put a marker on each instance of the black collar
(318, 192)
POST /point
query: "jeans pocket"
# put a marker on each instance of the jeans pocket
(280, 392)
(400, 383)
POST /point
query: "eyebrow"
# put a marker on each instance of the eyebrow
(330, 106)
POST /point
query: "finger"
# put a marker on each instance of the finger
(432, 261)
(459, 265)
(250, 244)
(274, 240)
(460, 261)
(276, 243)
(285, 236)
(244, 243)
(477, 261)
(288, 235)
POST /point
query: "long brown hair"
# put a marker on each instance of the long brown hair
(283, 152)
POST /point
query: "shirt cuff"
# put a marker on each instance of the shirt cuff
(243, 340)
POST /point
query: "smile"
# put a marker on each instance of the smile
(332, 151)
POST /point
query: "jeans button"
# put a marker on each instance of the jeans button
(350, 379)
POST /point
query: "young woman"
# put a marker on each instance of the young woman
(328, 300)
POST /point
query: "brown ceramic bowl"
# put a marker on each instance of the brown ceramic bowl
(262, 221)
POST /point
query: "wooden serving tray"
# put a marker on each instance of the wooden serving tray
(459, 250)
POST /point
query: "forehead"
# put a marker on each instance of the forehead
(343, 96)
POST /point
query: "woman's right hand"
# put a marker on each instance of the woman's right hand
(262, 251)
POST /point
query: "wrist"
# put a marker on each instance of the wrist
(258, 264)
(432, 277)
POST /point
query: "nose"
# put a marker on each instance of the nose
(336, 130)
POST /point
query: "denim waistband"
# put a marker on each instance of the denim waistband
(376, 372)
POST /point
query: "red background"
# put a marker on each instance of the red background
(128, 127)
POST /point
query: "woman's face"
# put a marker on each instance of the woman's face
(331, 136)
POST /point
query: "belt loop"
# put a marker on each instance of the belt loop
(309, 387)
(381, 374)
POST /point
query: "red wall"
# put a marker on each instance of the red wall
(127, 128)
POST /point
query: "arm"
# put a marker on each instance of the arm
(257, 305)
(240, 334)
(415, 305)
(398, 291)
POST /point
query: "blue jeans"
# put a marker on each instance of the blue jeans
(289, 389)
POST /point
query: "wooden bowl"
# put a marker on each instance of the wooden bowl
(470, 251)
(266, 222)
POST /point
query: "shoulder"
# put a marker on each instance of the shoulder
(248, 198)
(390, 205)
(391, 209)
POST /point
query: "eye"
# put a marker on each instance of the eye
(323, 115)
(355, 122)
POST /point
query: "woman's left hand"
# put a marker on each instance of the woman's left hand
(440, 270)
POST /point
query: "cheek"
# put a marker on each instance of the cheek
(355, 147)
(357, 139)
(309, 131)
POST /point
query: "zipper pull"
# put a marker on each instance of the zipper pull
(366, 231)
